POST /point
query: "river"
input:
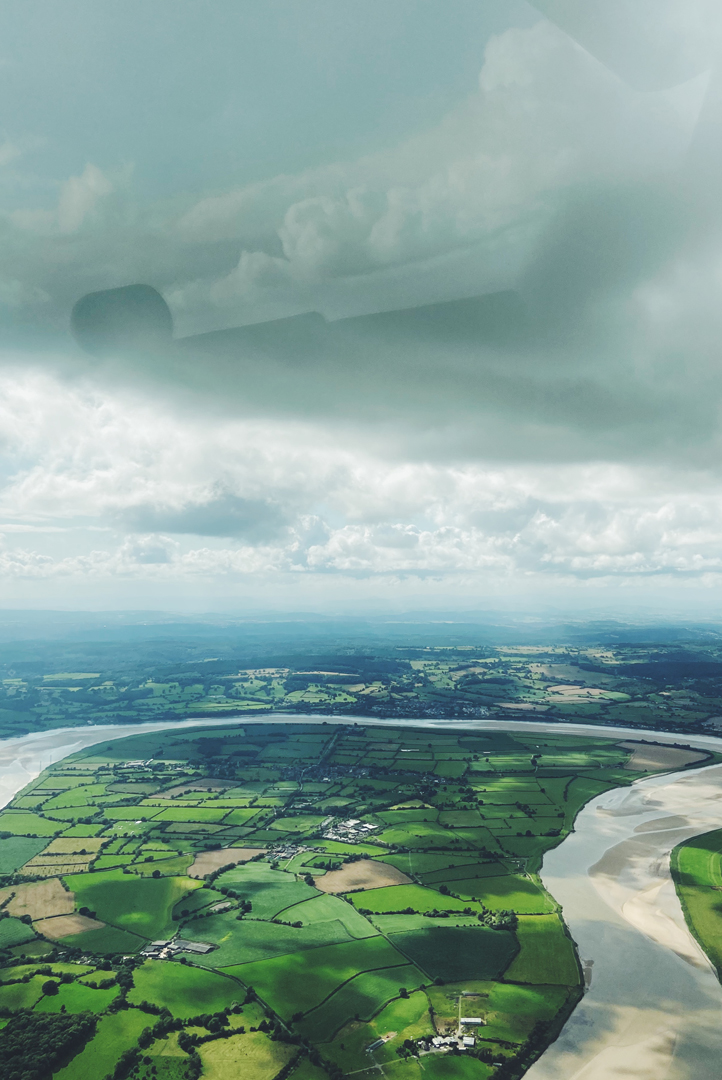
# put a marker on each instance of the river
(653, 1009)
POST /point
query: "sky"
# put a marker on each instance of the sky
(484, 242)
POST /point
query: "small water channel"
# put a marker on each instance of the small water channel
(653, 1009)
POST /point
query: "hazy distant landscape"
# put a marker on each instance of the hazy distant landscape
(99, 670)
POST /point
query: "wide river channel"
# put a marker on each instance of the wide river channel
(653, 1007)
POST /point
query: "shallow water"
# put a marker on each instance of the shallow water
(653, 1010)
(654, 1007)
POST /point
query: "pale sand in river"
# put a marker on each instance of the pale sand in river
(653, 1008)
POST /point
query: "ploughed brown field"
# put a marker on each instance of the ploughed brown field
(40, 900)
(208, 861)
(653, 758)
(197, 785)
(61, 925)
(366, 874)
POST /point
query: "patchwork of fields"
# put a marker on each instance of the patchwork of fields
(310, 899)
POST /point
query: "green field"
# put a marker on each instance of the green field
(16, 850)
(115, 1033)
(270, 891)
(250, 939)
(408, 1016)
(455, 953)
(22, 995)
(183, 989)
(697, 872)
(324, 909)
(511, 1011)
(503, 893)
(21, 824)
(300, 981)
(108, 939)
(251, 1056)
(14, 932)
(394, 898)
(546, 955)
(75, 998)
(143, 906)
(362, 997)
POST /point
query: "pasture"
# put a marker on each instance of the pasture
(697, 872)
(249, 940)
(253, 1056)
(503, 893)
(14, 932)
(270, 891)
(19, 823)
(301, 981)
(327, 909)
(183, 989)
(362, 997)
(16, 850)
(456, 953)
(408, 1017)
(546, 954)
(75, 997)
(140, 905)
(22, 995)
(115, 1033)
(106, 940)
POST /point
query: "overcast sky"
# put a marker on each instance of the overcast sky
(555, 441)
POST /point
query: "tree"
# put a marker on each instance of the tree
(50, 988)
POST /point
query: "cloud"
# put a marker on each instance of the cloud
(224, 514)
(497, 358)
(547, 116)
(78, 201)
(112, 490)
(556, 185)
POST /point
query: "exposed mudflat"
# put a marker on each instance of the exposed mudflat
(654, 1007)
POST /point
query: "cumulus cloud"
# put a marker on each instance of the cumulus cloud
(223, 514)
(165, 497)
(79, 199)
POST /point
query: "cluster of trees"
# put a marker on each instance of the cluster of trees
(33, 1046)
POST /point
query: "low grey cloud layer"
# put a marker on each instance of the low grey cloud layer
(499, 359)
